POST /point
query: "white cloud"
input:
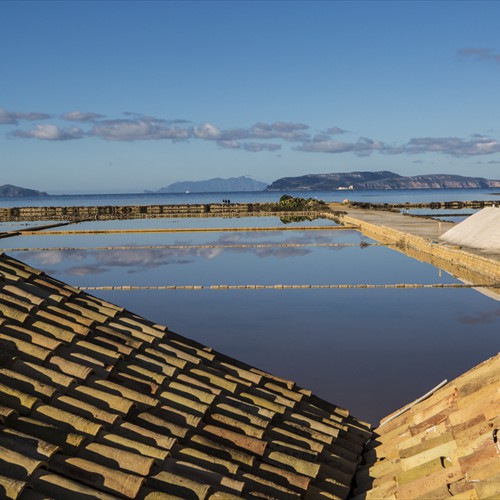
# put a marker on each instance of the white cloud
(138, 130)
(13, 117)
(336, 131)
(256, 147)
(362, 147)
(453, 146)
(207, 131)
(231, 144)
(79, 116)
(278, 130)
(480, 53)
(256, 138)
(253, 147)
(49, 132)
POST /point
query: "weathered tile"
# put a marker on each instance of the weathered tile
(16, 399)
(178, 485)
(219, 448)
(31, 336)
(135, 446)
(56, 486)
(114, 457)
(143, 434)
(52, 433)
(250, 444)
(102, 399)
(64, 322)
(66, 420)
(68, 368)
(11, 488)
(125, 392)
(29, 385)
(97, 476)
(161, 425)
(85, 410)
(207, 460)
(17, 465)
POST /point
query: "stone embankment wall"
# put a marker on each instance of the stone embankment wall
(436, 205)
(445, 256)
(80, 213)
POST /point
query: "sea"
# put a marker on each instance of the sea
(368, 195)
(371, 350)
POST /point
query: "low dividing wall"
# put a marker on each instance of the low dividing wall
(80, 213)
(435, 205)
(120, 211)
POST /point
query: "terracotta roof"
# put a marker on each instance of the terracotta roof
(96, 402)
(445, 446)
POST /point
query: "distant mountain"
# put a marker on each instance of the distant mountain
(377, 180)
(215, 185)
(10, 191)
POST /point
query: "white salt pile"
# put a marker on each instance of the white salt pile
(481, 230)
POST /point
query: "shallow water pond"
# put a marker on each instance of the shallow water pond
(298, 260)
(370, 350)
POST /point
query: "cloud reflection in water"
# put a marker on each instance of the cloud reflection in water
(141, 259)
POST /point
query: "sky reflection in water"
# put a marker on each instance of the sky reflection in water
(371, 350)
(239, 266)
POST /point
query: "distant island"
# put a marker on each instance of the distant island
(378, 180)
(216, 185)
(10, 191)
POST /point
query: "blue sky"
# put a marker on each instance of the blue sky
(128, 96)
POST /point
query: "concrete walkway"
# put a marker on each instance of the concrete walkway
(418, 238)
(425, 228)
